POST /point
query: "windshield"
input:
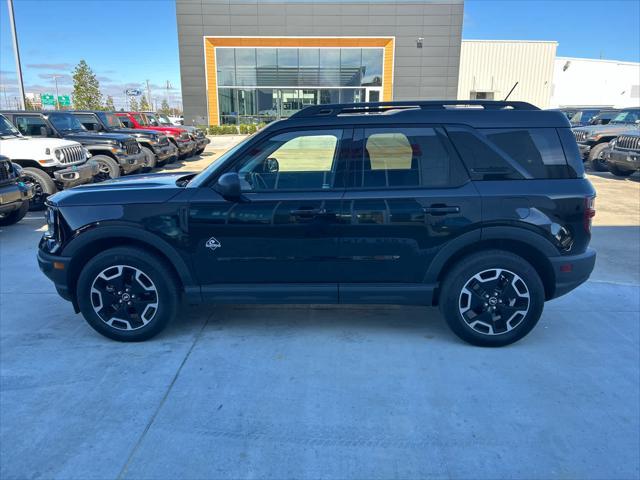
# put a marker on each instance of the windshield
(6, 129)
(140, 119)
(628, 116)
(152, 120)
(65, 122)
(164, 120)
(199, 179)
(111, 120)
(583, 116)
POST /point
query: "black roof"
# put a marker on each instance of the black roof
(475, 113)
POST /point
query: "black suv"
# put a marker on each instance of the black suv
(115, 153)
(155, 145)
(14, 193)
(481, 208)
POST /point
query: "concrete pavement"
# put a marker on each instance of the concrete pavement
(330, 392)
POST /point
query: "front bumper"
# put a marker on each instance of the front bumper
(185, 148)
(76, 174)
(571, 271)
(13, 195)
(584, 149)
(624, 159)
(165, 152)
(201, 142)
(56, 268)
(131, 163)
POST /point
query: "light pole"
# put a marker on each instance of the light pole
(55, 79)
(16, 53)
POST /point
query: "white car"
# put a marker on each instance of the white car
(51, 164)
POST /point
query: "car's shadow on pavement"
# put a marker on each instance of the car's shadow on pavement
(610, 176)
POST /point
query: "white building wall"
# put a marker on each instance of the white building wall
(496, 65)
(583, 81)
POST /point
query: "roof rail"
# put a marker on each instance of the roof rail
(335, 109)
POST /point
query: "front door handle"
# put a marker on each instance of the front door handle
(441, 209)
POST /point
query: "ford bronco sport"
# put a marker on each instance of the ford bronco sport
(155, 145)
(49, 164)
(481, 208)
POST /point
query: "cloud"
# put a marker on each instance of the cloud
(62, 79)
(102, 78)
(51, 66)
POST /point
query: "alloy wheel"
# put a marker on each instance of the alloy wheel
(124, 297)
(494, 301)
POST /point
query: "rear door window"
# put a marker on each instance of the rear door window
(537, 150)
(404, 157)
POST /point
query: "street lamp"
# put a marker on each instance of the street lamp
(55, 79)
(16, 52)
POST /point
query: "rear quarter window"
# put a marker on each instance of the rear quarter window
(537, 150)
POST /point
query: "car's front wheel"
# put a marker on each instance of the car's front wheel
(492, 298)
(619, 172)
(150, 159)
(108, 167)
(596, 158)
(127, 294)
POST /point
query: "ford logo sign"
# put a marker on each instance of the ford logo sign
(133, 92)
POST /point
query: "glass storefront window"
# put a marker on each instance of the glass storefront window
(225, 59)
(372, 67)
(329, 67)
(265, 84)
(246, 66)
(350, 65)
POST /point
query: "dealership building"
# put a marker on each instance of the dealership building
(252, 61)
(248, 61)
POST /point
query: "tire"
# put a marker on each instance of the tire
(106, 278)
(198, 152)
(596, 160)
(462, 298)
(109, 168)
(618, 172)
(150, 160)
(44, 186)
(15, 216)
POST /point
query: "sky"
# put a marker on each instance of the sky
(127, 42)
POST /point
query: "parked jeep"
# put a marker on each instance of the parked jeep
(50, 164)
(156, 146)
(603, 117)
(197, 135)
(14, 193)
(623, 155)
(593, 141)
(114, 153)
(177, 135)
(483, 211)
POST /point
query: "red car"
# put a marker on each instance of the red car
(178, 136)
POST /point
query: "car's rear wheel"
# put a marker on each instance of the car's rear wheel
(15, 216)
(619, 172)
(43, 186)
(492, 298)
(127, 294)
(108, 167)
(150, 158)
(596, 157)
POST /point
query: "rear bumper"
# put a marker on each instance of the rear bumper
(13, 195)
(133, 162)
(572, 271)
(624, 159)
(55, 268)
(77, 174)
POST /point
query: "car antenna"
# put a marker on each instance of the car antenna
(511, 91)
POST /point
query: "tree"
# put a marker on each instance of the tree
(108, 105)
(28, 104)
(133, 105)
(86, 88)
(165, 108)
(144, 104)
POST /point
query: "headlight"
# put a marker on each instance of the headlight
(612, 143)
(87, 153)
(59, 155)
(47, 151)
(50, 217)
(17, 170)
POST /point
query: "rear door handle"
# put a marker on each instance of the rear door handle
(441, 209)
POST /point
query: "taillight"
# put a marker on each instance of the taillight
(589, 212)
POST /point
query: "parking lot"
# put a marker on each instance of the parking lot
(325, 392)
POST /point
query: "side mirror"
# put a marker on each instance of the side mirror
(228, 185)
(97, 127)
(44, 131)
